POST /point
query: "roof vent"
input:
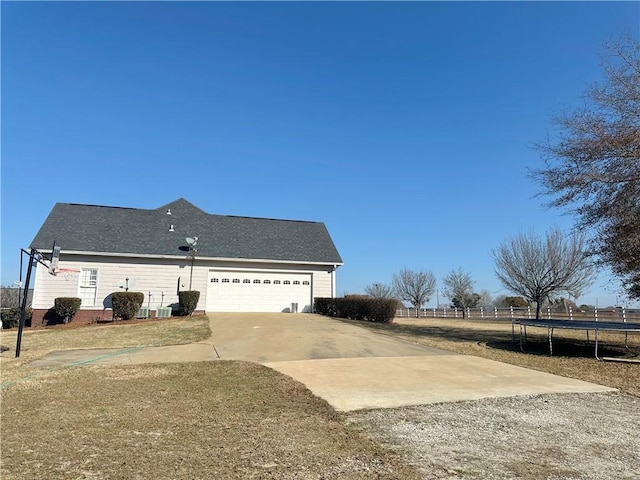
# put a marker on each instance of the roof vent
(171, 229)
(168, 211)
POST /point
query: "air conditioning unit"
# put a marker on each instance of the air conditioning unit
(143, 312)
(163, 312)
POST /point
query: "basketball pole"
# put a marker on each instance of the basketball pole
(23, 307)
(33, 256)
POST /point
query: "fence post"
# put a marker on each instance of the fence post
(548, 313)
(570, 313)
(468, 313)
(495, 311)
(624, 315)
(444, 312)
(529, 312)
(511, 311)
(434, 312)
(595, 314)
(455, 311)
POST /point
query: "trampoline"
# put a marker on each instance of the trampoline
(551, 324)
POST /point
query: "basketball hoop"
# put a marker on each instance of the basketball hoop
(67, 273)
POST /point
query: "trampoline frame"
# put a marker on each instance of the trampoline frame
(551, 324)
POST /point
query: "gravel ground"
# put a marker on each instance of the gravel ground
(563, 436)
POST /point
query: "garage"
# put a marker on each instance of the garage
(253, 291)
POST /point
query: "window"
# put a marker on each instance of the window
(276, 282)
(236, 280)
(256, 281)
(246, 280)
(286, 282)
(214, 280)
(305, 282)
(266, 281)
(296, 282)
(225, 280)
(88, 286)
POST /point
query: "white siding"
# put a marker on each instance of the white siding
(155, 277)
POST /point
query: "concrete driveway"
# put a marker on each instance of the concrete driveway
(350, 367)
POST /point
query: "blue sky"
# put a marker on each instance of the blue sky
(406, 127)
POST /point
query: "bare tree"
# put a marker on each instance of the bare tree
(10, 297)
(459, 286)
(539, 269)
(485, 299)
(379, 290)
(593, 165)
(415, 287)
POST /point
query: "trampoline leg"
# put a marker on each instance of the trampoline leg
(626, 340)
(521, 348)
(596, 354)
(588, 337)
(513, 332)
(550, 332)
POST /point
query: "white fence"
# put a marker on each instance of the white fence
(610, 314)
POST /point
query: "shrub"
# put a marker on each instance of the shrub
(11, 317)
(325, 306)
(66, 307)
(125, 305)
(358, 307)
(188, 301)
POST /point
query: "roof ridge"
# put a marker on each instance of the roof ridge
(267, 218)
(98, 206)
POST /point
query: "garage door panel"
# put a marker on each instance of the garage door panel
(242, 291)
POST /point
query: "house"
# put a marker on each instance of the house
(239, 264)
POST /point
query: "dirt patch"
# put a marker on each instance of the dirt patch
(562, 436)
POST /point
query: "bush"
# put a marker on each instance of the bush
(357, 307)
(66, 307)
(188, 301)
(11, 317)
(125, 305)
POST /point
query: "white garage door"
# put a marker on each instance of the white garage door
(237, 291)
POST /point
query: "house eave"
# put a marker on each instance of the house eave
(219, 259)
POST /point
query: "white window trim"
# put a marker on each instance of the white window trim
(80, 287)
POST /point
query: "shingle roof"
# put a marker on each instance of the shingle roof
(94, 228)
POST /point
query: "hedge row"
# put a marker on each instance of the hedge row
(357, 307)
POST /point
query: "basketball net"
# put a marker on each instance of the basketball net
(67, 273)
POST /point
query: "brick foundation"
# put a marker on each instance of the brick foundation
(83, 317)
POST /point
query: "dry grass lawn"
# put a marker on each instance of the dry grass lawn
(573, 357)
(206, 420)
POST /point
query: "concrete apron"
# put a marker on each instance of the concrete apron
(389, 382)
